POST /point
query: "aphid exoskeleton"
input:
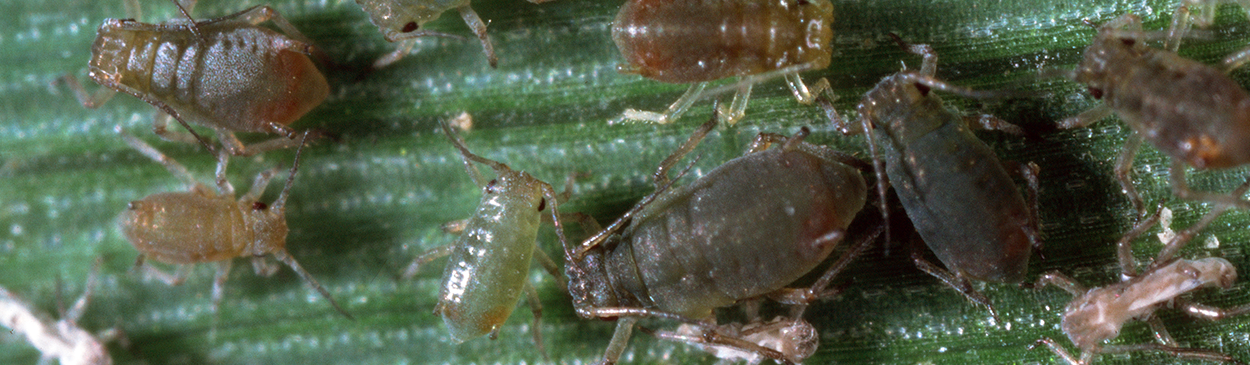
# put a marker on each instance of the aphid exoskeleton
(62, 340)
(228, 74)
(202, 225)
(490, 263)
(744, 230)
(794, 338)
(699, 41)
(1097, 315)
(1193, 112)
(958, 195)
(402, 21)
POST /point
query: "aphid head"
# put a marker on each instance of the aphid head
(588, 282)
(395, 18)
(268, 226)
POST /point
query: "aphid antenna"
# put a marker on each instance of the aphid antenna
(455, 140)
(195, 30)
(619, 224)
(286, 258)
(281, 202)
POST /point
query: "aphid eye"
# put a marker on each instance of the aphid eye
(490, 186)
(804, 3)
(134, 205)
(1095, 92)
(1128, 41)
(924, 89)
(542, 204)
(411, 26)
(259, 206)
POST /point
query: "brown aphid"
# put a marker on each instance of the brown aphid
(698, 41)
(202, 225)
(1193, 112)
(228, 74)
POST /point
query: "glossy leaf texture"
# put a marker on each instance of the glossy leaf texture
(366, 203)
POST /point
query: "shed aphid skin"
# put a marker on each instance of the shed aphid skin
(61, 340)
(699, 41)
(1193, 112)
(744, 231)
(795, 339)
(229, 74)
(490, 263)
(960, 198)
(201, 225)
(403, 21)
(1097, 315)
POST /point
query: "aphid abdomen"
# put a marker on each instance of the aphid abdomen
(1189, 110)
(962, 202)
(185, 228)
(704, 40)
(487, 271)
(234, 78)
(749, 227)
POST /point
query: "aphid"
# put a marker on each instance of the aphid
(958, 195)
(62, 340)
(202, 225)
(1192, 112)
(228, 74)
(746, 229)
(1096, 315)
(489, 264)
(794, 338)
(698, 41)
(402, 21)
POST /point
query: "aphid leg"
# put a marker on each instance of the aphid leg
(89, 101)
(1172, 247)
(1123, 171)
(280, 203)
(536, 307)
(709, 336)
(1160, 332)
(263, 267)
(1181, 23)
(179, 275)
(425, 258)
(259, 184)
(223, 183)
(552, 269)
(1059, 350)
(572, 255)
(738, 107)
(549, 194)
(286, 258)
(479, 28)
(1236, 60)
(800, 90)
(170, 164)
(1058, 279)
(160, 126)
(620, 339)
(75, 311)
(260, 14)
(801, 298)
(1179, 352)
(878, 166)
(1213, 313)
(952, 280)
(219, 284)
(1030, 171)
(1180, 188)
(660, 178)
(928, 66)
(674, 111)
(1124, 247)
(402, 49)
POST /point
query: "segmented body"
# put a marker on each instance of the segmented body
(959, 197)
(489, 264)
(201, 226)
(1191, 111)
(238, 76)
(703, 40)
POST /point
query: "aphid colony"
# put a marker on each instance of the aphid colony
(739, 234)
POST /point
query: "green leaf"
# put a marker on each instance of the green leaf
(363, 206)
